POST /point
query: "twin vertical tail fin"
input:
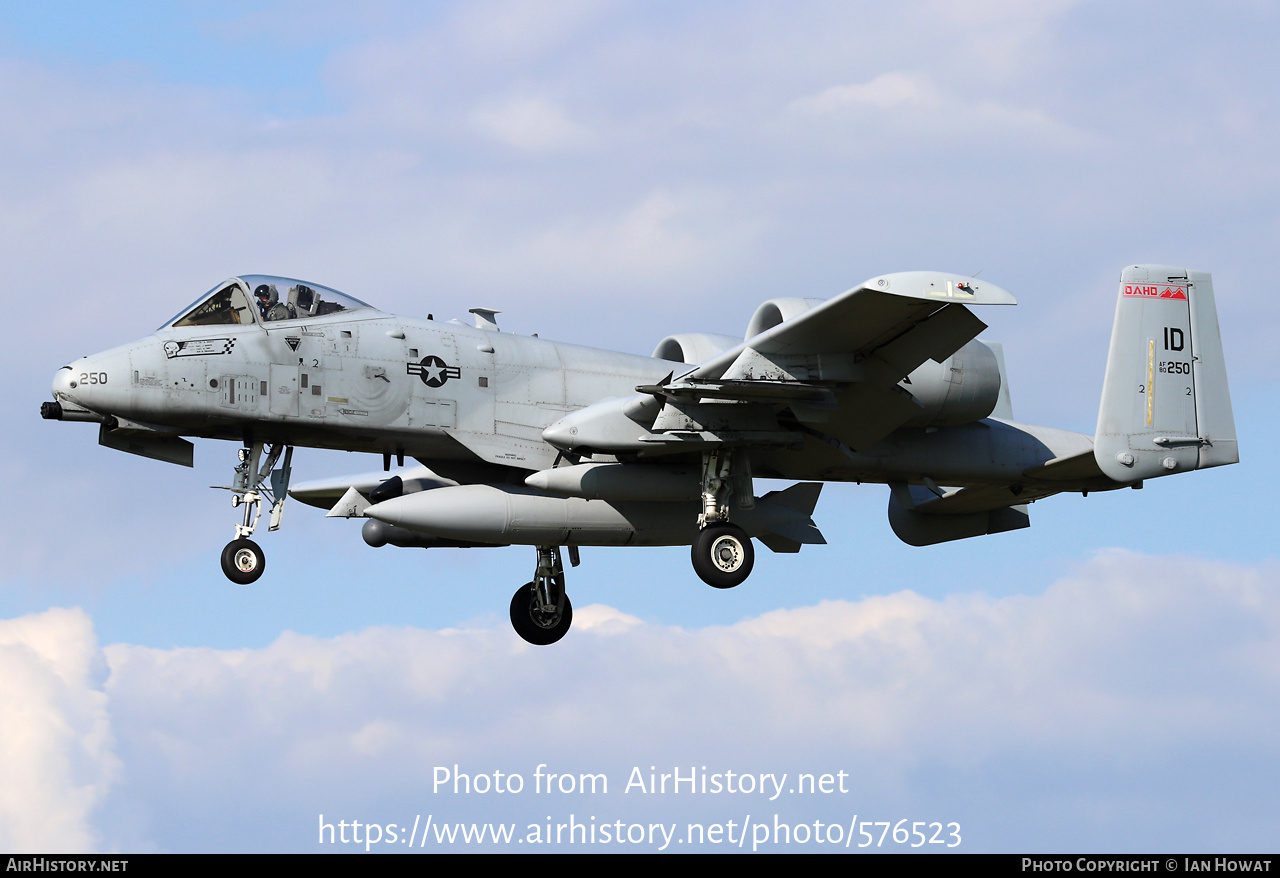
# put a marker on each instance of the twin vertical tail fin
(1165, 403)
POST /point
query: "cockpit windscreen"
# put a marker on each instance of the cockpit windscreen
(264, 298)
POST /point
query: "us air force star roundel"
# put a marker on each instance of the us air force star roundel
(433, 371)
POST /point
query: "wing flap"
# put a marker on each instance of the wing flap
(936, 337)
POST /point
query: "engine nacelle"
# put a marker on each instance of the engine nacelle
(693, 347)
(961, 389)
(776, 311)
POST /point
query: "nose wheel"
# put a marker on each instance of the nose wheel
(243, 561)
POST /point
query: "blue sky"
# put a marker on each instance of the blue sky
(608, 173)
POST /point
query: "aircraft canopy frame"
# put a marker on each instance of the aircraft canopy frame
(263, 298)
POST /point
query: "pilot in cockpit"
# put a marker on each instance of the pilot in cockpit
(269, 303)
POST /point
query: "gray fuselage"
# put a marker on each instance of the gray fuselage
(444, 391)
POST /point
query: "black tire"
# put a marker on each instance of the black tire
(530, 625)
(243, 561)
(723, 555)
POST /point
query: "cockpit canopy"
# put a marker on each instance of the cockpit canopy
(261, 298)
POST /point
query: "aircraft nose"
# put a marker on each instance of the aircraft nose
(63, 381)
(65, 396)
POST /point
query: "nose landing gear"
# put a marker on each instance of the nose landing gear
(243, 560)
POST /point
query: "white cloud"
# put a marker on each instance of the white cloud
(604, 620)
(666, 238)
(884, 92)
(1130, 672)
(914, 107)
(531, 123)
(520, 30)
(1132, 666)
(56, 750)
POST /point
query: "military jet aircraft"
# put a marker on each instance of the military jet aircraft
(532, 442)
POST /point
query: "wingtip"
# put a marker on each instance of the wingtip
(940, 286)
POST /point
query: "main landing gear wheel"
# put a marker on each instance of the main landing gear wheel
(243, 561)
(541, 628)
(723, 555)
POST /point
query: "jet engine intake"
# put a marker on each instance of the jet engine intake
(776, 311)
(693, 347)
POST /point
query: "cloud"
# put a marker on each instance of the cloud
(949, 121)
(57, 755)
(520, 30)
(666, 240)
(531, 123)
(883, 92)
(1129, 670)
(1141, 680)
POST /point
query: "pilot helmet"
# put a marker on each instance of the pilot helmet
(266, 294)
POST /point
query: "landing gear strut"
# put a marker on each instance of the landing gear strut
(722, 552)
(242, 559)
(540, 610)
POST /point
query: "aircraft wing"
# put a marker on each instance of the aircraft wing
(897, 321)
(843, 364)
(846, 355)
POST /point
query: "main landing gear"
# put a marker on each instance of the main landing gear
(722, 552)
(540, 610)
(723, 555)
(243, 560)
